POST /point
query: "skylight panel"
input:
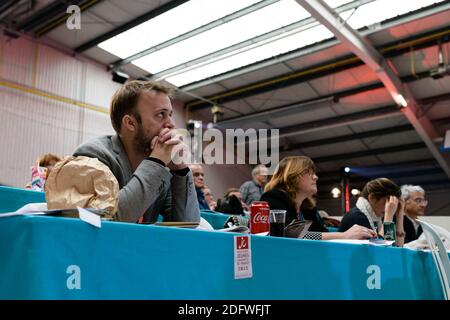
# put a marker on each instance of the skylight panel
(274, 48)
(174, 62)
(261, 21)
(170, 24)
(337, 3)
(380, 10)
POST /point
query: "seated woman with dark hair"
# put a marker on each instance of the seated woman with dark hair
(379, 202)
(291, 188)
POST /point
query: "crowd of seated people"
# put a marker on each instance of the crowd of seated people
(151, 183)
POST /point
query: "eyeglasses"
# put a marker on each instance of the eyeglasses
(310, 173)
(421, 201)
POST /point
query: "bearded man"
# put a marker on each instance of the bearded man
(140, 156)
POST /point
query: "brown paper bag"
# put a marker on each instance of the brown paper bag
(82, 182)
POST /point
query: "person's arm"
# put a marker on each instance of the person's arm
(355, 232)
(141, 192)
(181, 203)
(399, 228)
(147, 183)
(390, 209)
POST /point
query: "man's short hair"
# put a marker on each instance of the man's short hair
(256, 170)
(125, 99)
(408, 188)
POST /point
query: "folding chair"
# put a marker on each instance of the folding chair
(440, 256)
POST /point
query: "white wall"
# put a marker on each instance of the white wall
(33, 124)
(39, 91)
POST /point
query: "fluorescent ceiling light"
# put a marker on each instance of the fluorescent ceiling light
(365, 15)
(293, 42)
(336, 3)
(251, 25)
(401, 101)
(196, 13)
(188, 16)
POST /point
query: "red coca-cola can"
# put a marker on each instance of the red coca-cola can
(259, 217)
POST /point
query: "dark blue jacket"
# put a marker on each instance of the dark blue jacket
(201, 199)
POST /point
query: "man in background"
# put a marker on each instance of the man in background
(252, 190)
(415, 204)
(199, 182)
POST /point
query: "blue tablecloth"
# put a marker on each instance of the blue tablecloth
(39, 254)
(215, 219)
(12, 199)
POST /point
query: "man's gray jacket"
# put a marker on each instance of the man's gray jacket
(148, 191)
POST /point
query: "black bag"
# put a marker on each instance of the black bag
(230, 205)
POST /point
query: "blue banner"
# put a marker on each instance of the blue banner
(46, 257)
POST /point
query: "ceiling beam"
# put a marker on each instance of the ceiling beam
(315, 103)
(370, 152)
(374, 60)
(359, 45)
(434, 99)
(387, 174)
(131, 24)
(395, 166)
(326, 68)
(340, 121)
(334, 122)
(55, 8)
(55, 22)
(349, 137)
(384, 25)
(300, 106)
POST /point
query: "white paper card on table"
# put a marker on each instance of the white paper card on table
(90, 217)
(384, 243)
(242, 257)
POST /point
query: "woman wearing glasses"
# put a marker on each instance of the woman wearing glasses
(291, 188)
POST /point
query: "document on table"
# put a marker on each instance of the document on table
(377, 242)
(91, 216)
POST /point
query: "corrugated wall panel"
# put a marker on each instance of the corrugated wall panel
(33, 124)
(17, 60)
(58, 73)
(96, 94)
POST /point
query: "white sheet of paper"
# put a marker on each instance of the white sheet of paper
(30, 208)
(373, 243)
(242, 257)
(90, 217)
(12, 214)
